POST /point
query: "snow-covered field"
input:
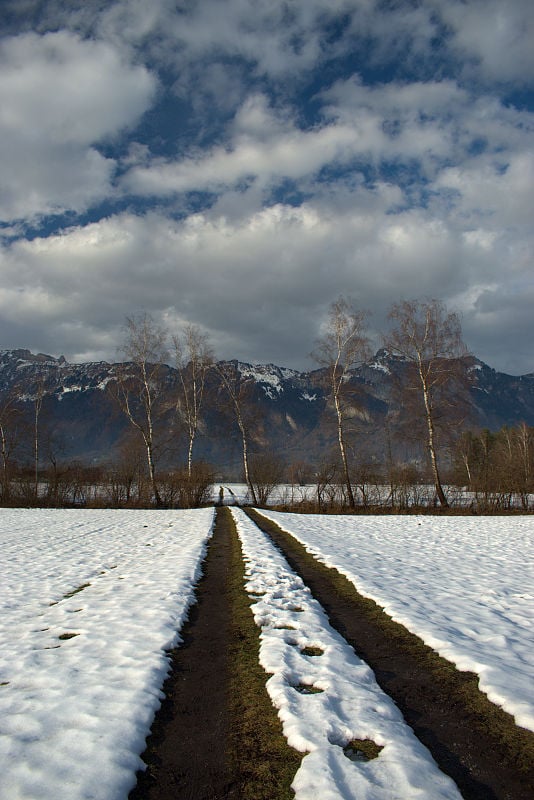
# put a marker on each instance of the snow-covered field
(74, 712)
(91, 600)
(465, 585)
(375, 494)
(327, 700)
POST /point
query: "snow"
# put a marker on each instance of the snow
(380, 367)
(65, 389)
(269, 376)
(351, 704)
(238, 493)
(464, 585)
(262, 374)
(74, 713)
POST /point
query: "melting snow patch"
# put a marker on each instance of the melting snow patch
(349, 707)
(462, 584)
(380, 367)
(77, 703)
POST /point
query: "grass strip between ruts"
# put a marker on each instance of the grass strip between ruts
(258, 751)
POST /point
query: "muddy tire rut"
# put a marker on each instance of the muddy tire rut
(185, 752)
(217, 735)
(473, 741)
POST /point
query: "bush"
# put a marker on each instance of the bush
(179, 489)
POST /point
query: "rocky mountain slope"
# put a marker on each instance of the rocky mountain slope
(288, 412)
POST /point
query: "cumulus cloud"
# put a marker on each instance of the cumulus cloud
(489, 39)
(259, 285)
(59, 97)
(263, 146)
(433, 121)
(501, 189)
(496, 37)
(290, 153)
(474, 153)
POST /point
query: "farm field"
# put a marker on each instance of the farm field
(74, 712)
(92, 600)
(464, 585)
(379, 495)
(327, 697)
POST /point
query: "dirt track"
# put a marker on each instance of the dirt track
(216, 734)
(189, 753)
(185, 753)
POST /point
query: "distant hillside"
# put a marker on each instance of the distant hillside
(291, 410)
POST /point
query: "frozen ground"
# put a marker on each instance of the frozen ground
(328, 699)
(379, 494)
(91, 600)
(465, 585)
(74, 712)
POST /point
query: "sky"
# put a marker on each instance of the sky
(239, 165)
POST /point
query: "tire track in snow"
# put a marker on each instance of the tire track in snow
(213, 738)
(435, 699)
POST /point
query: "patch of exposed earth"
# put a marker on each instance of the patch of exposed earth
(193, 750)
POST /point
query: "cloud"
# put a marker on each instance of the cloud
(500, 323)
(434, 139)
(498, 188)
(262, 146)
(291, 152)
(259, 285)
(437, 120)
(482, 39)
(266, 144)
(275, 38)
(59, 97)
(269, 39)
(495, 37)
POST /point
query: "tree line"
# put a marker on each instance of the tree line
(431, 406)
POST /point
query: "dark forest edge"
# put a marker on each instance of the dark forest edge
(421, 450)
(488, 472)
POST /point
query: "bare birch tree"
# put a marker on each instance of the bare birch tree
(525, 461)
(10, 419)
(236, 390)
(140, 384)
(38, 404)
(429, 339)
(343, 346)
(193, 358)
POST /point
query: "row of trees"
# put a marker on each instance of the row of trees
(486, 471)
(432, 394)
(429, 340)
(141, 384)
(489, 471)
(72, 483)
(431, 403)
(497, 467)
(143, 394)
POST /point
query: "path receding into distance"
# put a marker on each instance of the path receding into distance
(184, 753)
(193, 752)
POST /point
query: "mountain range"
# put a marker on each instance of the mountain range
(289, 412)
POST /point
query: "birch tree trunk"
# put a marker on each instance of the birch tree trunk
(342, 347)
(429, 340)
(234, 389)
(141, 386)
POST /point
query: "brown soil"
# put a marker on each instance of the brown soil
(216, 734)
(186, 753)
(472, 740)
